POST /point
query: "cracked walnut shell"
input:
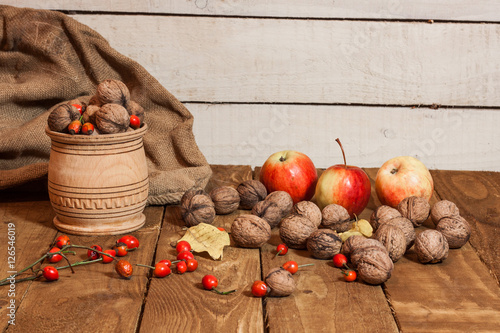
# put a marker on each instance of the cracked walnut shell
(415, 209)
(251, 191)
(250, 231)
(431, 247)
(226, 199)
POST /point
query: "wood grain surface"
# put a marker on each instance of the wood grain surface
(460, 294)
(211, 59)
(462, 10)
(370, 134)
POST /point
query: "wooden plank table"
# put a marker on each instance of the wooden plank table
(461, 294)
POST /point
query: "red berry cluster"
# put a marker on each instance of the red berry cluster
(185, 262)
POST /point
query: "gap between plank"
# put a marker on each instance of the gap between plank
(418, 106)
(361, 19)
(150, 278)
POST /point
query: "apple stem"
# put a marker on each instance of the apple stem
(341, 148)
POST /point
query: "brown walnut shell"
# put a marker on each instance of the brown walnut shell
(112, 118)
(283, 200)
(94, 100)
(335, 217)
(393, 239)
(382, 214)
(360, 249)
(431, 247)
(89, 114)
(61, 116)
(189, 194)
(135, 109)
(251, 191)
(356, 242)
(250, 231)
(79, 102)
(415, 209)
(295, 230)
(308, 209)
(113, 91)
(443, 208)
(198, 209)
(406, 226)
(226, 199)
(375, 267)
(269, 211)
(455, 229)
(324, 244)
(280, 282)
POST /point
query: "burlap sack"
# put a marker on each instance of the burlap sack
(47, 57)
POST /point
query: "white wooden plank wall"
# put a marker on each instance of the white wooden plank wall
(262, 76)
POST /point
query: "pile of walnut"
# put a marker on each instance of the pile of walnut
(109, 111)
(372, 246)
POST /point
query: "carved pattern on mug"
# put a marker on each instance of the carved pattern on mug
(103, 203)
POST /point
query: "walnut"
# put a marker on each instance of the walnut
(309, 210)
(94, 100)
(251, 191)
(443, 208)
(283, 200)
(360, 248)
(431, 247)
(113, 91)
(375, 267)
(455, 229)
(197, 209)
(269, 211)
(89, 114)
(415, 209)
(406, 226)
(189, 194)
(280, 282)
(294, 231)
(382, 214)
(394, 240)
(324, 244)
(370, 257)
(226, 199)
(335, 217)
(61, 116)
(112, 118)
(134, 108)
(79, 102)
(250, 231)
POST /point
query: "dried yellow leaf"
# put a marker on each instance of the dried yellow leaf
(207, 238)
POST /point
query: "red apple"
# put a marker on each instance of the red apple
(345, 185)
(292, 172)
(402, 177)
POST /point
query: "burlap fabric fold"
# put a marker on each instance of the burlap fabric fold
(46, 58)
